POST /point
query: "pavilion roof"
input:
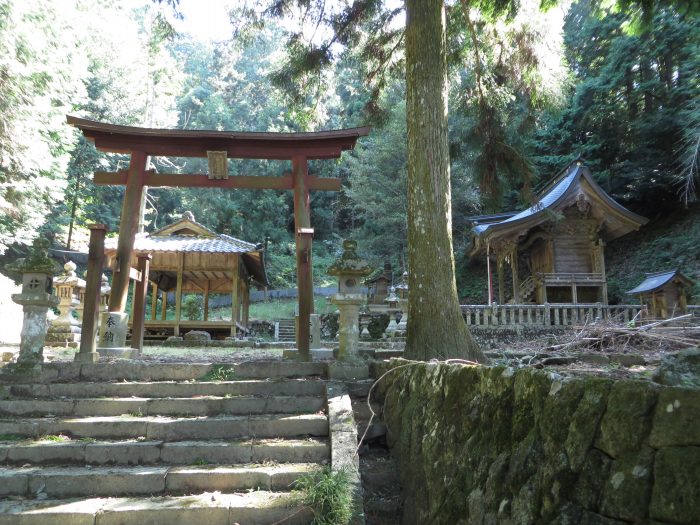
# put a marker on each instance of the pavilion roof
(238, 144)
(655, 281)
(573, 183)
(188, 236)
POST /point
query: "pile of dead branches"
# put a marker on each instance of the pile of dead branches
(613, 335)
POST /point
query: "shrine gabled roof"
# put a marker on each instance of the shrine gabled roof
(574, 181)
(238, 144)
(656, 281)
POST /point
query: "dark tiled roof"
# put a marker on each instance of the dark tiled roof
(657, 280)
(187, 243)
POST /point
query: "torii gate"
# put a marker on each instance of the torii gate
(218, 146)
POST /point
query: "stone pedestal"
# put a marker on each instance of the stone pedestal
(315, 330)
(34, 326)
(349, 330)
(391, 327)
(112, 341)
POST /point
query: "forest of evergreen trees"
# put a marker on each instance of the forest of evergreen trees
(530, 90)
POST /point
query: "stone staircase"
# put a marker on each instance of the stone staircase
(160, 443)
(287, 330)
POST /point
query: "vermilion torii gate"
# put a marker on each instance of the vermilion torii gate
(141, 143)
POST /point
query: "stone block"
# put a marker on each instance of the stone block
(123, 453)
(197, 428)
(288, 426)
(627, 359)
(627, 490)
(30, 407)
(44, 452)
(188, 480)
(585, 421)
(55, 512)
(676, 418)
(291, 451)
(14, 482)
(190, 452)
(110, 407)
(87, 357)
(113, 329)
(95, 427)
(348, 371)
(627, 420)
(184, 510)
(675, 497)
(78, 481)
(681, 369)
(197, 335)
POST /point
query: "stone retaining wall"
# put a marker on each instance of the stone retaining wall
(491, 445)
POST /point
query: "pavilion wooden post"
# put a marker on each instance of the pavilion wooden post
(154, 300)
(501, 291)
(304, 236)
(91, 311)
(139, 307)
(178, 291)
(164, 305)
(206, 300)
(516, 280)
(246, 303)
(234, 295)
(128, 226)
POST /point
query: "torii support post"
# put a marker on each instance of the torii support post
(139, 309)
(304, 235)
(91, 305)
(128, 226)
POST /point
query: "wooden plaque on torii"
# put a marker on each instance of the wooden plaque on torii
(141, 143)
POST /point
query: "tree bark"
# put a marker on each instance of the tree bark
(436, 328)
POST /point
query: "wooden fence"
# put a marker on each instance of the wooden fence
(547, 314)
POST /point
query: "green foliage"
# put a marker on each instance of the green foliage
(670, 242)
(377, 325)
(193, 307)
(219, 373)
(329, 494)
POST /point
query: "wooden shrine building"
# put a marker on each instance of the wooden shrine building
(378, 285)
(554, 251)
(187, 257)
(218, 147)
(663, 293)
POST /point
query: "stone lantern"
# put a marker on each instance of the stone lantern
(36, 298)
(349, 269)
(65, 329)
(392, 301)
(105, 292)
(402, 289)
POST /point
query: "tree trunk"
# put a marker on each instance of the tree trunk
(436, 328)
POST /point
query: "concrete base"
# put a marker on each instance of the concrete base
(124, 352)
(348, 370)
(87, 357)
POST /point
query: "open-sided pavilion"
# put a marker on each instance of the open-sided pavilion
(218, 147)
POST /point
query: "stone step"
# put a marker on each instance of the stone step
(281, 387)
(129, 370)
(149, 452)
(252, 508)
(171, 429)
(200, 406)
(68, 482)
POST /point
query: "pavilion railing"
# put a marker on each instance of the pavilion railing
(547, 314)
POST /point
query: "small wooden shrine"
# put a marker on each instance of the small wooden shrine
(188, 257)
(663, 293)
(554, 251)
(378, 285)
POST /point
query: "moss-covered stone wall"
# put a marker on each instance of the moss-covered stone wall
(492, 445)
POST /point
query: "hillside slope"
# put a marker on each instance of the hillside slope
(671, 241)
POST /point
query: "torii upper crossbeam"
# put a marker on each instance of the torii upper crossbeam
(140, 143)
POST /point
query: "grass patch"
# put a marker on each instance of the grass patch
(56, 438)
(329, 495)
(87, 440)
(219, 373)
(201, 463)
